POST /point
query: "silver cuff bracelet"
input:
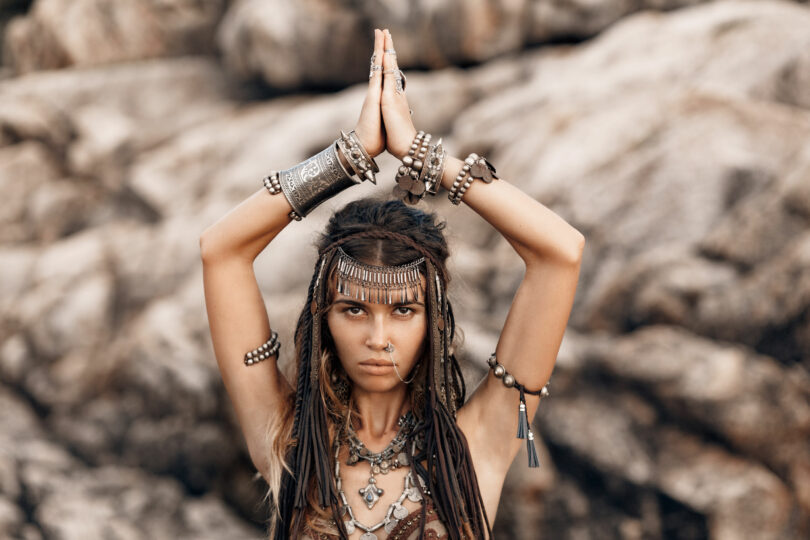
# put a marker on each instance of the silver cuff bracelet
(313, 181)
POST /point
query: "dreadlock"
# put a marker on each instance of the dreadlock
(388, 233)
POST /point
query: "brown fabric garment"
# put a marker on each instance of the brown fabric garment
(406, 529)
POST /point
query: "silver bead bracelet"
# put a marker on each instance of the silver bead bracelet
(524, 429)
(264, 351)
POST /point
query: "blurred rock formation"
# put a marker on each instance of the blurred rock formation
(675, 141)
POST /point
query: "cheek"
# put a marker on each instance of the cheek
(337, 327)
(412, 336)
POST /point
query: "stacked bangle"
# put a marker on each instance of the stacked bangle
(475, 167)
(265, 350)
(433, 168)
(524, 429)
(410, 186)
(357, 156)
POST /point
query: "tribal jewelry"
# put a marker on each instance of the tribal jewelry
(400, 78)
(373, 66)
(357, 156)
(396, 512)
(390, 458)
(409, 188)
(524, 429)
(265, 350)
(378, 284)
(475, 167)
(390, 350)
(271, 183)
(313, 181)
(433, 168)
(322, 176)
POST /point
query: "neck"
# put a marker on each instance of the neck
(379, 412)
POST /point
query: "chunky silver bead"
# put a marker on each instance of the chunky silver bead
(408, 161)
(492, 360)
(499, 371)
(508, 380)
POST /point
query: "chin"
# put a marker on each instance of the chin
(377, 384)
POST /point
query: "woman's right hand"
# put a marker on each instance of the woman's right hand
(369, 128)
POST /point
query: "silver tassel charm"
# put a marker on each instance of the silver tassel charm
(534, 462)
(523, 421)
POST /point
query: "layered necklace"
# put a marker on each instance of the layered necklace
(390, 458)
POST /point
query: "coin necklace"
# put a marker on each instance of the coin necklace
(396, 512)
(390, 458)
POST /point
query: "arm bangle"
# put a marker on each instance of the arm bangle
(313, 181)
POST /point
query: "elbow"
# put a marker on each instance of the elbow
(207, 253)
(565, 253)
(578, 247)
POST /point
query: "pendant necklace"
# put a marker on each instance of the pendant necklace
(391, 457)
(396, 512)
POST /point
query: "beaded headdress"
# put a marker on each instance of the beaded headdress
(378, 284)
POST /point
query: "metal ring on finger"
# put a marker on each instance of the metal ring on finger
(391, 51)
(400, 79)
(374, 67)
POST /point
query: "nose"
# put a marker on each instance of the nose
(377, 338)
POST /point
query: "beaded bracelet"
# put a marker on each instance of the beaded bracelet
(273, 185)
(265, 350)
(524, 429)
(475, 167)
(408, 187)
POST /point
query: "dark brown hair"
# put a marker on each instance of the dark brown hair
(385, 233)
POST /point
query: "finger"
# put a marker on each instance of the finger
(375, 68)
(390, 66)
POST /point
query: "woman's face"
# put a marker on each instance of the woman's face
(361, 331)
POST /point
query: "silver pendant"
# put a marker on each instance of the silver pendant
(371, 493)
(400, 511)
(349, 526)
(368, 536)
(413, 495)
(390, 525)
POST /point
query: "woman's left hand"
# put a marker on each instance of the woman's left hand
(369, 127)
(396, 115)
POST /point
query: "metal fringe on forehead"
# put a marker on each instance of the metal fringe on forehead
(378, 284)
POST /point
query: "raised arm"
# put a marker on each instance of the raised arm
(236, 313)
(551, 250)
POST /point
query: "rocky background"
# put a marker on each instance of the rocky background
(673, 134)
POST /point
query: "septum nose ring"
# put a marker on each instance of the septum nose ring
(389, 348)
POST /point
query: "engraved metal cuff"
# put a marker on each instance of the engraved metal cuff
(313, 181)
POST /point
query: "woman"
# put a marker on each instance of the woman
(377, 440)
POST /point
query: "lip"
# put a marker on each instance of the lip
(373, 367)
(375, 362)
